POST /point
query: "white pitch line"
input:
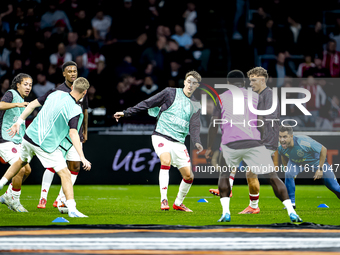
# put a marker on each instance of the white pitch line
(172, 243)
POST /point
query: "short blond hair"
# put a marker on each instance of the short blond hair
(81, 84)
(258, 71)
(194, 74)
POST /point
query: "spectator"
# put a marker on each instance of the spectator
(101, 25)
(17, 68)
(200, 55)
(42, 86)
(190, 16)
(238, 13)
(93, 56)
(303, 67)
(149, 88)
(295, 37)
(6, 10)
(183, 39)
(318, 38)
(4, 85)
(155, 54)
(99, 77)
(60, 57)
(175, 75)
(83, 27)
(95, 100)
(331, 59)
(74, 48)
(152, 14)
(59, 34)
(125, 67)
(318, 71)
(4, 56)
(318, 99)
(259, 19)
(50, 17)
(20, 51)
(83, 71)
(280, 70)
(335, 33)
(265, 38)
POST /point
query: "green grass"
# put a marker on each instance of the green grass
(139, 204)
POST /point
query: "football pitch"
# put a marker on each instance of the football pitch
(140, 205)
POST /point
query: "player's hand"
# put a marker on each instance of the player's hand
(86, 164)
(208, 155)
(84, 136)
(118, 115)
(318, 174)
(199, 147)
(23, 104)
(14, 129)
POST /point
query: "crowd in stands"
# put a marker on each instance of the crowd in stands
(129, 50)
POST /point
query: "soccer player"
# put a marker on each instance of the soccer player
(258, 77)
(46, 137)
(177, 113)
(11, 106)
(299, 152)
(70, 72)
(243, 142)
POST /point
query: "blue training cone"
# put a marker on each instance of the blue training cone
(323, 206)
(60, 220)
(202, 200)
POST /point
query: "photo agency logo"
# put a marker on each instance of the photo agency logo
(238, 104)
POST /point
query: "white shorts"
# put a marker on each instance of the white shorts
(72, 154)
(10, 152)
(178, 151)
(258, 159)
(53, 160)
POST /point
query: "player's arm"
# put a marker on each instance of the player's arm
(73, 133)
(284, 160)
(212, 132)
(323, 154)
(29, 109)
(156, 100)
(86, 117)
(6, 102)
(194, 130)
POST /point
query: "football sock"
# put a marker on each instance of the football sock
(231, 180)
(164, 181)
(71, 204)
(288, 204)
(290, 185)
(254, 200)
(46, 182)
(9, 190)
(183, 191)
(3, 182)
(225, 205)
(16, 194)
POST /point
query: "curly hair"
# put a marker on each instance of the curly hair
(18, 79)
(259, 72)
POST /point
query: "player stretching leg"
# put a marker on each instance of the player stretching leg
(242, 142)
(46, 137)
(177, 112)
(299, 152)
(11, 106)
(70, 72)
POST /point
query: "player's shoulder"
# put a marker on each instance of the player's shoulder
(7, 96)
(304, 141)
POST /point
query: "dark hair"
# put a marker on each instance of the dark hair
(236, 77)
(287, 128)
(18, 79)
(68, 63)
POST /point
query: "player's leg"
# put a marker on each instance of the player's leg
(221, 162)
(291, 172)
(184, 187)
(232, 159)
(74, 168)
(254, 194)
(17, 181)
(73, 164)
(264, 165)
(330, 180)
(162, 148)
(45, 187)
(12, 171)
